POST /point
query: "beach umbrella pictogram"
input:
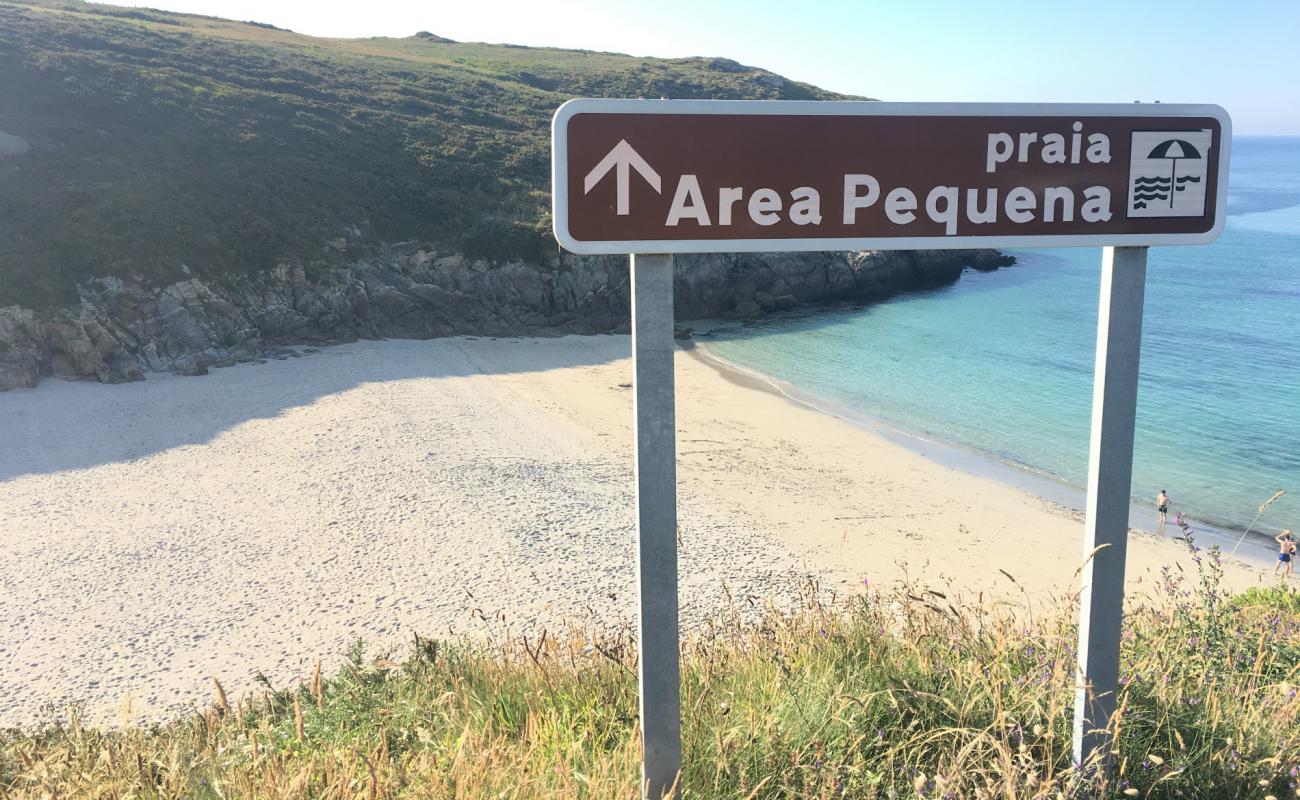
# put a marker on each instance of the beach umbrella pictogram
(1174, 149)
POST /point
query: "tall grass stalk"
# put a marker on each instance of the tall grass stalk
(1263, 507)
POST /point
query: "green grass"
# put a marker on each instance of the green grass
(167, 139)
(1281, 598)
(890, 695)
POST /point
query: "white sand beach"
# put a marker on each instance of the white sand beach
(153, 535)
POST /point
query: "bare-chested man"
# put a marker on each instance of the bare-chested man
(1162, 506)
(1286, 553)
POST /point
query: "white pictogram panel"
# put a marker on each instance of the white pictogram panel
(1167, 173)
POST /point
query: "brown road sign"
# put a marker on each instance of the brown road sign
(678, 176)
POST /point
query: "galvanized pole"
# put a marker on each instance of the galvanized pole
(656, 520)
(1110, 475)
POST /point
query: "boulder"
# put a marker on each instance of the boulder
(13, 146)
(23, 357)
(989, 260)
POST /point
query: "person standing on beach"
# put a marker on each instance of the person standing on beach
(1162, 506)
(1286, 553)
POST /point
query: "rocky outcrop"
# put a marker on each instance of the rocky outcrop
(122, 330)
(13, 146)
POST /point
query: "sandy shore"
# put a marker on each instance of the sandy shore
(263, 516)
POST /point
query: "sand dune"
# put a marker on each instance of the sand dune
(261, 517)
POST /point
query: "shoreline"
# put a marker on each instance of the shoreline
(1256, 550)
(158, 534)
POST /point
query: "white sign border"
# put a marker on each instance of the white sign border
(560, 156)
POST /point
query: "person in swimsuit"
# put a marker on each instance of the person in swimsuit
(1286, 553)
(1162, 506)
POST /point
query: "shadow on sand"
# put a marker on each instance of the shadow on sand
(66, 425)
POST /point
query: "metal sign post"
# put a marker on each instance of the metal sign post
(1110, 475)
(656, 520)
(717, 176)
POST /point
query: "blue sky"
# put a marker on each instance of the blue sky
(1242, 54)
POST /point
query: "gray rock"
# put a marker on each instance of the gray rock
(122, 329)
(989, 260)
(13, 146)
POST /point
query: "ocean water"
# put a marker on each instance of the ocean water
(1002, 362)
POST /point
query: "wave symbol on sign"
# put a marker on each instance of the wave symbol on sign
(1148, 188)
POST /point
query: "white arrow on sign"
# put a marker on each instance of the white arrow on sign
(623, 157)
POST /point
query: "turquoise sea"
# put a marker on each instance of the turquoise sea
(1002, 362)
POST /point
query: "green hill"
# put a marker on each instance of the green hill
(160, 139)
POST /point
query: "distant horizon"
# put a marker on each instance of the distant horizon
(925, 52)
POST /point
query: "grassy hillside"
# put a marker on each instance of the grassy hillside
(164, 139)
